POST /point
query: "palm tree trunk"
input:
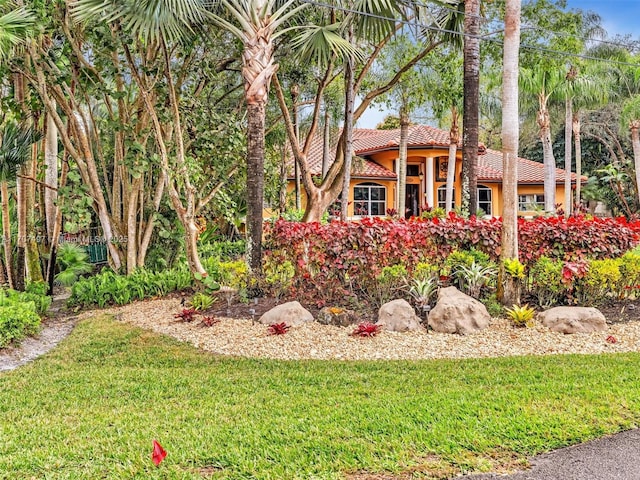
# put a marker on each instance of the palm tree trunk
(402, 162)
(6, 233)
(326, 142)
(21, 207)
(508, 286)
(454, 138)
(33, 267)
(471, 105)
(578, 142)
(568, 119)
(634, 127)
(347, 133)
(549, 159)
(255, 183)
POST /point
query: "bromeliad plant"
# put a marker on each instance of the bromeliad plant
(366, 329)
(278, 328)
(521, 316)
(186, 315)
(474, 277)
(201, 301)
(422, 291)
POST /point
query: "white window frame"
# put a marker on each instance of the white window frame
(486, 202)
(528, 200)
(359, 204)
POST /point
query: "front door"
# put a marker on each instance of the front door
(412, 200)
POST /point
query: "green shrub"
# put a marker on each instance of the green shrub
(545, 282)
(223, 250)
(601, 281)
(493, 306)
(390, 283)
(426, 270)
(629, 274)
(18, 318)
(108, 287)
(278, 276)
(201, 301)
(72, 261)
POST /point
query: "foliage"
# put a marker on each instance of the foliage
(225, 250)
(278, 328)
(278, 276)
(108, 287)
(474, 277)
(18, 317)
(186, 314)
(493, 306)
(514, 268)
(103, 375)
(545, 281)
(73, 261)
(41, 302)
(521, 316)
(338, 260)
(629, 273)
(599, 282)
(366, 329)
(388, 284)
(209, 321)
(201, 301)
(422, 290)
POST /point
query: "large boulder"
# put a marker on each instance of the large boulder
(291, 313)
(398, 316)
(456, 312)
(338, 316)
(573, 319)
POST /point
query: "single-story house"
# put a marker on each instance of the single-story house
(374, 178)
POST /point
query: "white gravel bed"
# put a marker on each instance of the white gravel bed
(245, 338)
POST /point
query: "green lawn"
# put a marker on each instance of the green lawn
(90, 409)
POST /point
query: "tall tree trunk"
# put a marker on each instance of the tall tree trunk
(326, 142)
(348, 133)
(295, 91)
(568, 122)
(51, 174)
(470, 136)
(33, 267)
(454, 138)
(634, 127)
(578, 142)
(57, 228)
(549, 160)
(255, 183)
(6, 234)
(508, 286)
(402, 162)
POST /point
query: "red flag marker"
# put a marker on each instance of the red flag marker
(158, 453)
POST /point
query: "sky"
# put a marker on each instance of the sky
(618, 17)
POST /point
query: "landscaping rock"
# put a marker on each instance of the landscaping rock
(573, 319)
(456, 312)
(291, 313)
(398, 316)
(340, 317)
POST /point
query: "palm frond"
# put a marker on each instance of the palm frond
(15, 148)
(320, 43)
(152, 20)
(14, 28)
(375, 19)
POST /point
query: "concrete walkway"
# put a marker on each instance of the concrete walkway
(616, 457)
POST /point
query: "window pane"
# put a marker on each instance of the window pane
(377, 208)
(361, 193)
(377, 193)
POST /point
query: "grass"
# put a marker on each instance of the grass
(91, 408)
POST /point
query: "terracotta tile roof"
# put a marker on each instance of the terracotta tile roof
(369, 141)
(490, 169)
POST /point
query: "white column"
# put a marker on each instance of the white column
(429, 182)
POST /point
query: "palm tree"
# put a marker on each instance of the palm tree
(471, 112)
(15, 150)
(542, 84)
(507, 284)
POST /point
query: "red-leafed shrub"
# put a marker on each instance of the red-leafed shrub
(366, 329)
(339, 260)
(278, 328)
(576, 237)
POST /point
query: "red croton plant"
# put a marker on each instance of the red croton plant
(331, 259)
